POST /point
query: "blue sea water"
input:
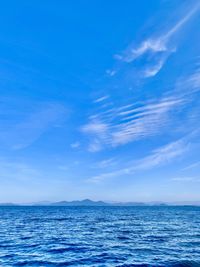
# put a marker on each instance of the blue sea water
(100, 236)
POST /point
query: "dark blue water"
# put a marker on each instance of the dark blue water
(100, 236)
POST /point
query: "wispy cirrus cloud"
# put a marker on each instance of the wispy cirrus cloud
(119, 126)
(96, 127)
(116, 125)
(192, 82)
(164, 155)
(144, 121)
(17, 170)
(151, 71)
(158, 157)
(106, 163)
(99, 131)
(37, 123)
(132, 54)
(31, 124)
(95, 146)
(192, 166)
(185, 179)
(75, 145)
(113, 126)
(100, 99)
(156, 49)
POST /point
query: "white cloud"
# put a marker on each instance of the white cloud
(191, 166)
(151, 71)
(95, 127)
(111, 72)
(161, 156)
(121, 126)
(116, 126)
(159, 47)
(98, 132)
(106, 163)
(75, 145)
(29, 126)
(17, 170)
(194, 81)
(95, 146)
(185, 179)
(181, 22)
(100, 99)
(188, 85)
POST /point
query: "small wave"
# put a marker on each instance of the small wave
(184, 264)
(68, 249)
(41, 263)
(127, 237)
(166, 264)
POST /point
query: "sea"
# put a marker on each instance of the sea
(143, 236)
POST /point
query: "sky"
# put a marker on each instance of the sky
(99, 99)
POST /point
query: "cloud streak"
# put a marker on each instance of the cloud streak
(156, 49)
(160, 156)
(192, 166)
(16, 170)
(113, 126)
(185, 179)
(29, 126)
(126, 124)
(100, 99)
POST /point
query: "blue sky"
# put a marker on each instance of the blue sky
(100, 100)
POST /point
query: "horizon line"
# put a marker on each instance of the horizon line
(139, 203)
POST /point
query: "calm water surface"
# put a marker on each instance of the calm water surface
(100, 236)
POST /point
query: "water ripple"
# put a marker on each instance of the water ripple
(100, 236)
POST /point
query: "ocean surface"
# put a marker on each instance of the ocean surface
(100, 236)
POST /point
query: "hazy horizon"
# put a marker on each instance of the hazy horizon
(105, 201)
(100, 100)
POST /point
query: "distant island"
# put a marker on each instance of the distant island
(88, 202)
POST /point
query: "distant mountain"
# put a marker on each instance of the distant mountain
(88, 202)
(85, 202)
